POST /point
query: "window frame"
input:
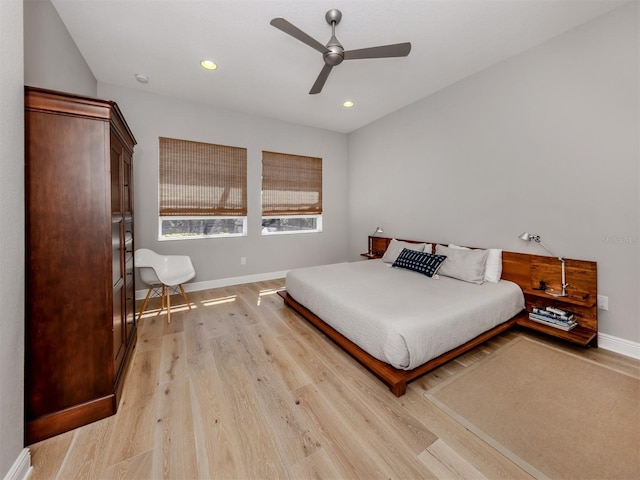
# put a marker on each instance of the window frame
(281, 161)
(218, 175)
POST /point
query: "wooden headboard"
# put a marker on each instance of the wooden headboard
(528, 271)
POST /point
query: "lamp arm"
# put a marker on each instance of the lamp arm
(536, 238)
(564, 275)
(551, 251)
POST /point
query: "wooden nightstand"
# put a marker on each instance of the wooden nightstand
(581, 299)
(377, 247)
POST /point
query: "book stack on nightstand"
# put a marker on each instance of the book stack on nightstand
(554, 317)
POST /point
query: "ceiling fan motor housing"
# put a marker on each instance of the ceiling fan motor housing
(335, 52)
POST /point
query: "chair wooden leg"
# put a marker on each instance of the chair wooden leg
(184, 295)
(168, 304)
(162, 300)
(144, 304)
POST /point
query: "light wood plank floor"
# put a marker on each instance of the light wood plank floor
(241, 387)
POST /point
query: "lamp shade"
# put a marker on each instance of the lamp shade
(525, 236)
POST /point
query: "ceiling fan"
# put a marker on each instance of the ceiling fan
(333, 53)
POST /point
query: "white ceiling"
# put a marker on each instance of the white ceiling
(263, 71)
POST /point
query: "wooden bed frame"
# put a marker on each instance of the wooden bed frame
(519, 268)
(394, 378)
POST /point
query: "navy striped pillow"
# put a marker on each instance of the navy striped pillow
(422, 262)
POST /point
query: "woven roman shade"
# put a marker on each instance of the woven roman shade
(291, 184)
(202, 179)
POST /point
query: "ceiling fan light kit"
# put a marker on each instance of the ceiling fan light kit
(333, 52)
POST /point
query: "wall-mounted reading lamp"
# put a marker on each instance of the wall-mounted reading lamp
(536, 238)
(375, 232)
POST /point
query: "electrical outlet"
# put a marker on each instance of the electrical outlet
(243, 260)
(603, 302)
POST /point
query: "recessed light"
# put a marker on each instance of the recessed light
(142, 78)
(208, 64)
(348, 104)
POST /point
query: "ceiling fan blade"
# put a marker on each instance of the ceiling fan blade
(295, 32)
(384, 51)
(322, 78)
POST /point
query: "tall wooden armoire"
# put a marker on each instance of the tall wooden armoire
(80, 293)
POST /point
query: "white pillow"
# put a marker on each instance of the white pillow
(396, 246)
(493, 267)
(466, 265)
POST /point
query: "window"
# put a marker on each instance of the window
(291, 193)
(203, 190)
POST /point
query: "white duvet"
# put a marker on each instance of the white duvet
(398, 316)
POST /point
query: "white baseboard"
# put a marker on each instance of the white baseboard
(21, 468)
(619, 345)
(223, 282)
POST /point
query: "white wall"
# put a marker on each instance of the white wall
(52, 61)
(51, 58)
(545, 142)
(151, 116)
(11, 234)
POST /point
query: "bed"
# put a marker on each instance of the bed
(399, 316)
(397, 322)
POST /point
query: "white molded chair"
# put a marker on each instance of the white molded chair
(163, 272)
